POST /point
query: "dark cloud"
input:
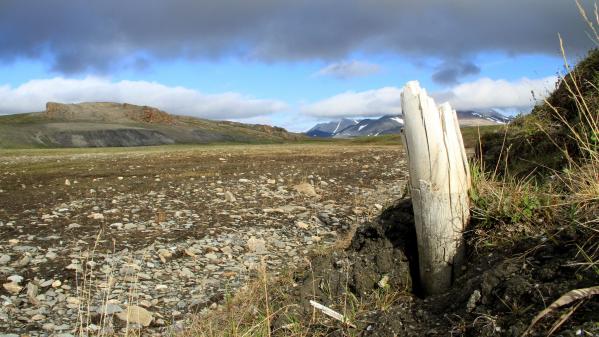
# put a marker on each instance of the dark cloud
(78, 36)
(449, 73)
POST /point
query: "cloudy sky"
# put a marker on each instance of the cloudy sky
(285, 62)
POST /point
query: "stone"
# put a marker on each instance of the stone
(4, 259)
(12, 288)
(136, 315)
(473, 300)
(32, 292)
(164, 254)
(302, 225)
(256, 245)
(15, 278)
(186, 272)
(22, 262)
(305, 189)
(73, 226)
(67, 182)
(38, 317)
(73, 300)
(74, 266)
(96, 216)
(117, 225)
(229, 197)
(129, 226)
(109, 309)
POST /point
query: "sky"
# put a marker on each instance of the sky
(290, 63)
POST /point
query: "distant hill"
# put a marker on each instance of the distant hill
(113, 124)
(392, 125)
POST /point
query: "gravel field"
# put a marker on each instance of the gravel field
(141, 238)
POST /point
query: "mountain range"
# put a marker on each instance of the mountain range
(113, 124)
(392, 124)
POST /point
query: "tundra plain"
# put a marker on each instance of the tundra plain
(106, 240)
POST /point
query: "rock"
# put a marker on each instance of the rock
(271, 181)
(22, 262)
(256, 245)
(117, 225)
(56, 284)
(74, 266)
(4, 259)
(51, 255)
(73, 226)
(67, 182)
(227, 250)
(211, 256)
(473, 300)
(109, 309)
(38, 317)
(244, 180)
(15, 278)
(96, 216)
(164, 254)
(229, 197)
(12, 288)
(186, 272)
(73, 300)
(129, 226)
(302, 225)
(32, 292)
(306, 189)
(190, 251)
(136, 315)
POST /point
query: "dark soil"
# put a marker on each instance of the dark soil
(507, 287)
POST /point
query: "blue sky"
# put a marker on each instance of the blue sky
(277, 62)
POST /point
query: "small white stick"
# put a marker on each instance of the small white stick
(331, 313)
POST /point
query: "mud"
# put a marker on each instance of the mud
(499, 293)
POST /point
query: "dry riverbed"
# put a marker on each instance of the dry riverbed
(104, 240)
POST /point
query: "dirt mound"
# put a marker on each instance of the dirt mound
(105, 111)
(499, 293)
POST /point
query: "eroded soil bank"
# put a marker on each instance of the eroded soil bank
(373, 282)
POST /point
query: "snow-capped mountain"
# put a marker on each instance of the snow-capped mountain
(329, 129)
(372, 127)
(473, 118)
(385, 125)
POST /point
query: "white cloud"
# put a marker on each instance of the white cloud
(384, 101)
(482, 94)
(33, 95)
(349, 69)
(486, 93)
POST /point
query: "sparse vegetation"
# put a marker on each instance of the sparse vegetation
(534, 237)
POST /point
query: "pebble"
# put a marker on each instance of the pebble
(136, 315)
(229, 197)
(12, 288)
(4, 259)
